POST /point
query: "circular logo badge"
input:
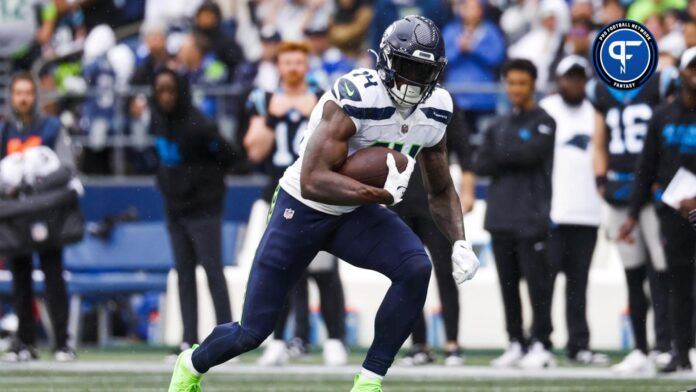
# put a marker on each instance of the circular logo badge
(624, 54)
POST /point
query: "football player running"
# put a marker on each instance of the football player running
(398, 105)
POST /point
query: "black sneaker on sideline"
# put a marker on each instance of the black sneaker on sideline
(20, 352)
(677, 364)
(64, 354)
(298, 348)
(587, 357)
(417, 356)
(454, 357)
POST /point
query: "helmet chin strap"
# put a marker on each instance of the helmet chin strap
(406, 95)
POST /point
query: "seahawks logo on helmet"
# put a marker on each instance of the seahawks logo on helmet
(410, 60)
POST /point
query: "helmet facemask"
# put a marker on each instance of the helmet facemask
(409, 80)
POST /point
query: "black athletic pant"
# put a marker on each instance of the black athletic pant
(332, 301)
(417, 217)
(639, 304)
(518, 258)
(279, 329)
(680, 249)
(56, 296)
(333, 304)
(198, 241)
(570, 252)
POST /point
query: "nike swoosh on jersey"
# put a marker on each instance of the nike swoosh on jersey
(348, 90)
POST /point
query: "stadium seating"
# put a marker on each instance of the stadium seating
(136, 259)
(133, 246)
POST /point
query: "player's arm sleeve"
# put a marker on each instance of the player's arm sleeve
(534, 146)
(647, 167)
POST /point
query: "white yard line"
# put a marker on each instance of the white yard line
(424, 372)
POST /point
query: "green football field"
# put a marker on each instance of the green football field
(144, 370)
(48, 381)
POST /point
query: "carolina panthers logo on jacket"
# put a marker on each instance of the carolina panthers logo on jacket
(363, 97)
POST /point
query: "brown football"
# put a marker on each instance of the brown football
(369, 165)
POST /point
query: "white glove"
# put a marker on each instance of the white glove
(396, 182)
(464, 262)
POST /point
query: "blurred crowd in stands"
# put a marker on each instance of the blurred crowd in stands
(96, 58)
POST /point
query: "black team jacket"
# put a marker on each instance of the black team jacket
(669, 144)
(517, 155)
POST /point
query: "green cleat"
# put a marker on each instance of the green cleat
(182, 379)
(362, 384)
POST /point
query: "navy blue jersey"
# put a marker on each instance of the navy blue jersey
(626, 116)
(288, 130)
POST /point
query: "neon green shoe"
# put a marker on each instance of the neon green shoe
(362, 384)
(182, 379)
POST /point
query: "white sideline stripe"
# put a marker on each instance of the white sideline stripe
(402, 372)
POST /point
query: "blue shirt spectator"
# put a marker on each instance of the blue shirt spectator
(475, 49)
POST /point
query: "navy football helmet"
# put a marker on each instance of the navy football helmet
(411, 58)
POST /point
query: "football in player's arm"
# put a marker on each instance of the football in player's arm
(399, 106)
(327, 149)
